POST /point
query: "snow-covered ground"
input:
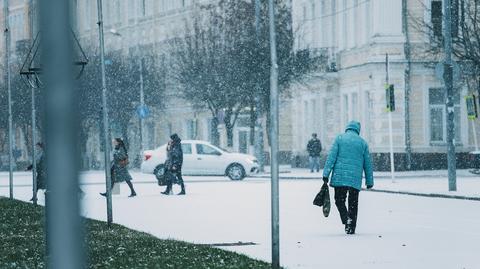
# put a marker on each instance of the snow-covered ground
(394, 231)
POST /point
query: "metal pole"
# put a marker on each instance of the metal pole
(108, 179)
(34, 112)
(142, 104)
(274, 140)
(408, 87)
(9, 89)
(448, 77)
(474, 135)
(390, 125)
(34, 148)
(64, 226)
(259, 151)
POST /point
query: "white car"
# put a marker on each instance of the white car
(202, 158)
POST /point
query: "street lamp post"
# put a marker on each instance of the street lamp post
(258, 102)
(108, 179)
(274, 129)
(9, 89)
(142, 109)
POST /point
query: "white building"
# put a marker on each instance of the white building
(357, 35)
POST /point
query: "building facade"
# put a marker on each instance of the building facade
(357, 35)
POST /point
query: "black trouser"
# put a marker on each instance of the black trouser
(172, 174)
(340, 199)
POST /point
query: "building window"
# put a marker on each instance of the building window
(304, 13)
(438, 115)
(436, 18)
(131, 9)
(355, 114)
(345, 109)
(191, 129)
(117, 12)
(344, 22)
(88, 15)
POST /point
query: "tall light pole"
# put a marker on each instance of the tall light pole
(274, 129)
(142, 107)
(64, 226)
(142, 110)
(108, 178)
(9, 89)
(259, 152)
(450, 108)
(34, 112)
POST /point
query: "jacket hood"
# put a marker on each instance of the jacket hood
(354, 126)
(175, 138)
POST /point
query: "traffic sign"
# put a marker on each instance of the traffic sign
(143, 112)
(471, 107)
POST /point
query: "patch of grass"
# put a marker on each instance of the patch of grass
(22, 245)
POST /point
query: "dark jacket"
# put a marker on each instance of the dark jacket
(174, 155)
(314, 147)
(119, 170)
(349, 158)
(41, 172)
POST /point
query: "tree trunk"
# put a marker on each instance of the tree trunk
(253, 120)
(214, 131)
(229, 127)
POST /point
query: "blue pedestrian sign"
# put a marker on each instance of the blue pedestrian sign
(143, 112)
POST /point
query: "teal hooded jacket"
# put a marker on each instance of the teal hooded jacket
(348, 159)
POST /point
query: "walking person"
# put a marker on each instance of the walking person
(314, 148)
(119, 171)
(348, 159)
(173, 165)
(41, 174)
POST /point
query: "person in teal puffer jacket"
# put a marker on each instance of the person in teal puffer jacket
(348, 159)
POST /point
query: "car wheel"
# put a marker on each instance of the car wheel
(159, 171)
(236, 172)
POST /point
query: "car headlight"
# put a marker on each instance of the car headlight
(252, 161)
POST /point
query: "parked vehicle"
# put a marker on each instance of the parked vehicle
(202, 158)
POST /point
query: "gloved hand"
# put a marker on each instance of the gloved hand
(369, 187)
(325, 179)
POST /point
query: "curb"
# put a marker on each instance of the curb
(430, 195)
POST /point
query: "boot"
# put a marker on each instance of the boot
(133, 194)
(167, 191)
(349, 229)
(182, 192)
(104, 194)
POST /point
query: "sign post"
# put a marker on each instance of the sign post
(390, 97)
(472, 115)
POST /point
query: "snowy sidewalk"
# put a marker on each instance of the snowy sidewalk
(433, 183)
(394, 231)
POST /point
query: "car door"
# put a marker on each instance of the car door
(209, 160)
(188, 159)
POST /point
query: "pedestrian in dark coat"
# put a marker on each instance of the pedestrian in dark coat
(349, 158)
(173, 164)
(41, 174)
(119, 171)
(314, 148)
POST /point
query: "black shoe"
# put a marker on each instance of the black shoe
(182, 192)
(31, 200)
(165, 192)
(133, 194)
(349, 229)
(104, 194)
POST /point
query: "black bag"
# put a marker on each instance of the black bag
(161, 176)
(164, 177)
(323, 199)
